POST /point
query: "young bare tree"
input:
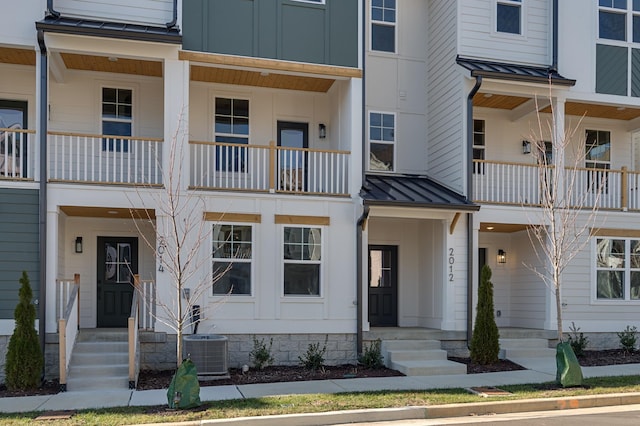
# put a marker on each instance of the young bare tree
(181, 234)
(569, 199)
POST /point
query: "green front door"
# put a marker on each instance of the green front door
(117, 264)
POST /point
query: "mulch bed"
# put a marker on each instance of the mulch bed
(161, 379)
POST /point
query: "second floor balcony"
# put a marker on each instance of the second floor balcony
(519, 184)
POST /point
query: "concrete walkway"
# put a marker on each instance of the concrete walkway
(538, 371)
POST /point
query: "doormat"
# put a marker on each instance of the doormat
(56, 415)
(487, 391)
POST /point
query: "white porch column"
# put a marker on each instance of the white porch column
(355, 133)
(52, 267)
(176, 119)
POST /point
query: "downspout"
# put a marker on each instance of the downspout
(554, 47)
(175, 15)
(365, 212)
(50, 12)
(361, 224)
(470, 256)
(42, 196)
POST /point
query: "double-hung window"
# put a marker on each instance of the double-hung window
(117, 118)
(509, 16)
(383, 25)
(478, 145)
(598, 157)
(302, 250)
(232, 255)
(231, 130)
(382, 140)
(617, 269)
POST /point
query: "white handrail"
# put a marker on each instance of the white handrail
(68, 325)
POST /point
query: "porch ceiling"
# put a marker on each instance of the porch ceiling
(507, 102)
(17, 56)
(108, 212)
(112, 64)
(502, 227)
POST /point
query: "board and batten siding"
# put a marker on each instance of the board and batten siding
(445, 110)
(151, 12)
(19, 247)
(479, 39)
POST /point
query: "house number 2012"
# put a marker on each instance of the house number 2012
(452, 261)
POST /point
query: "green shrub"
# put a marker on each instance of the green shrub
(23, 367)
(372, 355)
(313, 359)
(577, 340)
(260, 355)
(485, 344)
(628, 339)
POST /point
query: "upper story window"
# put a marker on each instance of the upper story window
(302, 261)
(383, 25)
(509, 16)
(232, 254)
(598, 149)
(231, 128)
(617, 267)
(382, 141)
(615, 17)
(478, 145)
(117, 118)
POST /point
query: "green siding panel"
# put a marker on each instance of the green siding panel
(19, 245)
(274, 29)
(635, 72)
(611, 70)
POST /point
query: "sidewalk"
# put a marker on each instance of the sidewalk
(537, 372)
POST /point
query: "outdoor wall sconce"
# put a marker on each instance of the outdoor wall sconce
(526, 147)
(322, 130)
(78, 244)
(502, 256)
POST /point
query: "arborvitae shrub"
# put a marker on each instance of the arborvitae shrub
(485, 344)
(23, 367)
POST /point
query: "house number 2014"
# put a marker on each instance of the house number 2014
(452, 260)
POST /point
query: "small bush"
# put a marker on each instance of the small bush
(372, 355)
(313, 359)
(628, 338)
(577, 340)
(260, 355)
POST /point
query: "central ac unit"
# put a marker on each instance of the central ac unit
(209, 352)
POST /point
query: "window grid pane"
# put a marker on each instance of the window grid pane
(232, 242)
(302, 250)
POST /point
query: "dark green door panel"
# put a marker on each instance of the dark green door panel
(117, 263)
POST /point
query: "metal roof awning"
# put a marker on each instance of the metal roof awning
(513, 72)
(412, 191)
(86, 27)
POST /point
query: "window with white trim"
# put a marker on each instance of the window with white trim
(478, 145)
(614, 17)
(509, 16)
(383, 25)
(302, 257)
(617, 269)
(382, 141)
(232, 254)
(598, 157)
(231, 129)
(117, 118)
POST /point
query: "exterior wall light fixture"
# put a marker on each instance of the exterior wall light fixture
(526, 147)
(78, 244)
(502, 256)
(322, 130)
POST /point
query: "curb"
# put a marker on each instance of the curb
(427, 412)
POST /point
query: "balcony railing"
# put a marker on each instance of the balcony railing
(520, 184)
(16, 154)
(104, 159)
(271, 168)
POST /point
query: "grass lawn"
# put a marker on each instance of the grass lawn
(320, 403)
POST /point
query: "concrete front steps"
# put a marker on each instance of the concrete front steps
(419, 358)
(99, 360)
(525, 348)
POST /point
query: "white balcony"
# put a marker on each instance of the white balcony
(269, 168)
(16, 154)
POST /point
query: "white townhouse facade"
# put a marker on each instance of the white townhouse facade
(354, 163)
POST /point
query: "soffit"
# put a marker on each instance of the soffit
(112, 64)
(502, 227)
(490, 100)
(599, 111)
(17, 56)
(108, 212)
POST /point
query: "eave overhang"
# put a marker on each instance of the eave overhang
(513, 72)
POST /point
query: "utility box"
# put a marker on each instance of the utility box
(209, 353)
